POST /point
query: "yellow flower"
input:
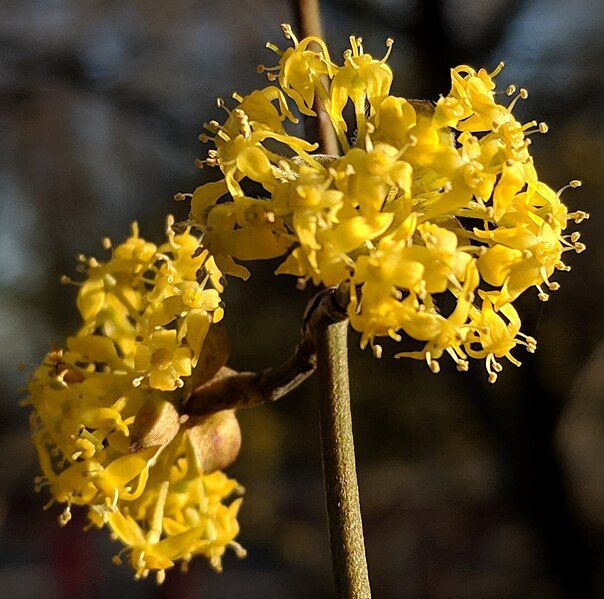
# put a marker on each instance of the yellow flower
(361, 79)
(300, 70)
(424, 204)
(164, 360)
(496, 337)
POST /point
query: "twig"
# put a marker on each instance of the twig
(349, 563)
(230, 389)
(339, 468)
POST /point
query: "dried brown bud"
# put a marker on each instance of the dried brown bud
(156, 423)
(216, 439)
(214, 355)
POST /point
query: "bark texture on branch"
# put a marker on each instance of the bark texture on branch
(347, 542)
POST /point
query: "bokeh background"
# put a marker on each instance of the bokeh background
(468, 490)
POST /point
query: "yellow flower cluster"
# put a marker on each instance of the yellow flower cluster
(105, 413)
(426, 202)
(145, 310)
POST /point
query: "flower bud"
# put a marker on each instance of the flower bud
(214, 354)
(216, 439)
(156, 423)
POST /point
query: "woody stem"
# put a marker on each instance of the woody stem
(349, 563)
(339, 469)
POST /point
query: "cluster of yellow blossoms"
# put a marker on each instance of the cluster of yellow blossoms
(425, 202)
(105, 416)
(433, 217)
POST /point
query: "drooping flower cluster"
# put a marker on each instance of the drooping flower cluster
(106, 419)
(427, 206)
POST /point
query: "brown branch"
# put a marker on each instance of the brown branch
(230, 389)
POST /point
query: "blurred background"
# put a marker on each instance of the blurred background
(468, 490)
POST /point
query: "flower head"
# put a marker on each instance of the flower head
(106, 421)
(425, 202)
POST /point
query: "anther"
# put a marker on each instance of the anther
(543, 127)
(523, 93)
(511, 90)
(106, 243)
(575, 183)
(580, 216)
(65, 517)
(434, 366)
(377, 350)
